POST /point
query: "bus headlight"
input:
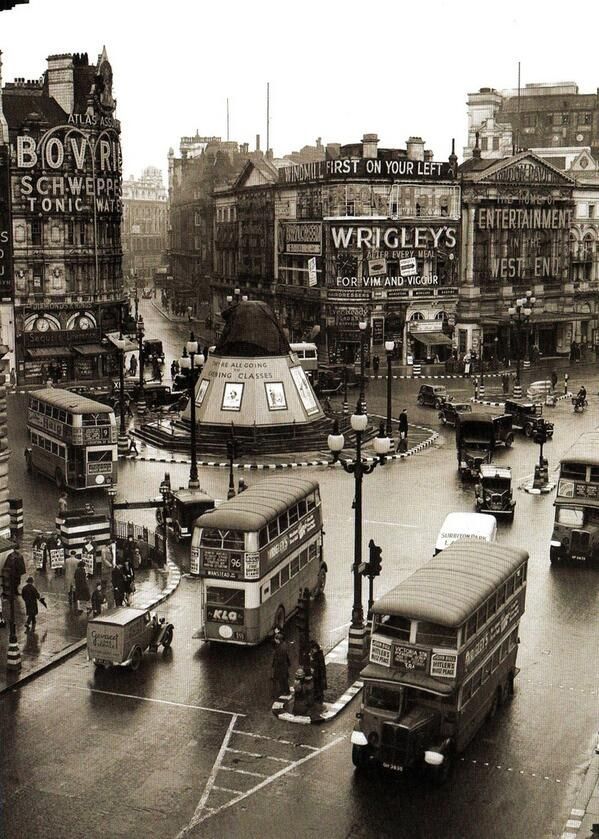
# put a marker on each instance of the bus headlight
(100, 479)
(358, 738)
(433, 758)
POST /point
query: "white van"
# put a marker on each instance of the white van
(307, 355)
(466, 526)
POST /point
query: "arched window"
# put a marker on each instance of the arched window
(417, 316)
(441, 315)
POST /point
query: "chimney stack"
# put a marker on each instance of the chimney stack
(370, 146)
(257, 142)
(60, 81)
(415, 148)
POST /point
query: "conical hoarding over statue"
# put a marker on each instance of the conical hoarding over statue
(252, 379)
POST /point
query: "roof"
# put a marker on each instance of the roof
(119, 617)
(468, 524)
(490, 470)
(258, 504)
(451, 585)
(73, 402)
(18, 104)
(584, 450)
(473, 418)
(251, 330)
(192, 496)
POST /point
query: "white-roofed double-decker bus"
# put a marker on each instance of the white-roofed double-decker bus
(255, 554)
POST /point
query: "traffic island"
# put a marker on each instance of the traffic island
(343, 687)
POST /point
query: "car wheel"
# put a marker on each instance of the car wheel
(420, 401)
(167, 638)
(509, 440)
(135, 659)
(528, 430)
(443, 419)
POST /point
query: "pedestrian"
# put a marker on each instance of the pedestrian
(105, 565)
(13, 377)
(118, 584)
(97, 600)
(144, 551)
(16, 564)
(129, 549)
(31, 595)
(376, 363)
(566, 377)
(319, 671)
(70, 566)
(132, 444)
(467, 361)
(82, 594)
(136, 564)
(44, 374)
(402, 445)
(173, 369)
(63, 502)
(280, 665)
(553, 381)
(128, 582)
(133, 365)
(241, 486)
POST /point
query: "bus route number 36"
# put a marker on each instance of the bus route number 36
(224, 615)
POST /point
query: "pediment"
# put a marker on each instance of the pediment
(584, 163)
(526, 168)
(255, 175)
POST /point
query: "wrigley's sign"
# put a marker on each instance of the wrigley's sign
(390, 238)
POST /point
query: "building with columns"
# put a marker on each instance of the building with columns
(64, 289)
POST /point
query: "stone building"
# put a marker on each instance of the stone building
(363, 234)
(144, 226)
(517, 218)
(65, 204)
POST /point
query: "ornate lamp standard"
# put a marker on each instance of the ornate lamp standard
(358, 634)
(520, 314)
(233, 447)
(121, 343)
(362, 326)
(141, 400)
(389, 347)
(187, 363)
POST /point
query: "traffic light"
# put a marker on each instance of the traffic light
(375, 559)
(540, 435)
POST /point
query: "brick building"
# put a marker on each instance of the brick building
(144, 226)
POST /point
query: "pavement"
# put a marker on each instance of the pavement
(61, 632)
(584, 815)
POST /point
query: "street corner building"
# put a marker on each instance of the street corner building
(61, 287)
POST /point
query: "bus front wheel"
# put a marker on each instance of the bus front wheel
(358, 757)
(440, 774)
(59, 478)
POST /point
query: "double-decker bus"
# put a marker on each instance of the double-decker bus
(255, 553)
(576, 526)
(442, 657)
(73, 439)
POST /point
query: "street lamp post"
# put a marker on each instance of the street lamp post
(111, 491)
(520, 314)
(389, 347)
(232, 452)
(345, 405)
(358, 634)
(141, 401)
(362, 326)
(187, 362)
(122, 438)
(165, 490)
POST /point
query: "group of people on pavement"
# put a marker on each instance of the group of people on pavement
(281, 663)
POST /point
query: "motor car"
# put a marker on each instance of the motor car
(450, 409)
(119, 637)
(494, 491)
(539, 390)
(432, 395)
(153, 347)
(526, 416)
(466, 526)
(183, 508)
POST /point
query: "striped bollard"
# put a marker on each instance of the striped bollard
(15, 506)
(526, 365)
(345, 408)
(517, 391)
(13, 654)
(416, 370)
(481, 391)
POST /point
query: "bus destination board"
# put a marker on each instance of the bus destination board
(410, 658)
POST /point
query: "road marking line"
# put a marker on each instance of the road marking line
(158, 701)
(242, 771)
(207, 815)
(197, 816)
(275, 739)
(226, 789)
(256, 754)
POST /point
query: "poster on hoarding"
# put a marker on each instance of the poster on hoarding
(304, 390)
(232, 397)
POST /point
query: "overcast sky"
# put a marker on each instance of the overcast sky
(336, 69)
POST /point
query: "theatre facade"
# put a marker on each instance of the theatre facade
(517, 218)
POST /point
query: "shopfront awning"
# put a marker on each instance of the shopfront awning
(91, 349)
(433, 339)
(38, 354)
